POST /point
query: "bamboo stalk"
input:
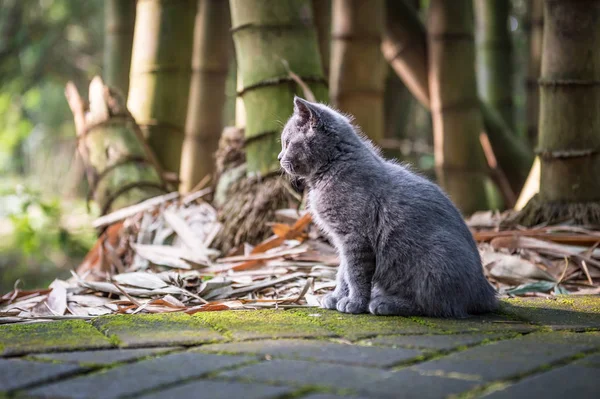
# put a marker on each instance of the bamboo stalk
(119, 22)
(535, 33)
(273, 37)
(120, 167)
(494, 56)
(160, 75)
(457, 120)
(204, 122)
(405, 47)
(570, 98)
(322, 16)
(357, 75)
(569, 142)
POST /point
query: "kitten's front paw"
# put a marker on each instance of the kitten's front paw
(330, 301)
(351, 305)
(388, 306)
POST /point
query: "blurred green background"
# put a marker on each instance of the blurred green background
(44, 224)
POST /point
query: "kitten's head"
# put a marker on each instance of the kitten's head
(310, 137)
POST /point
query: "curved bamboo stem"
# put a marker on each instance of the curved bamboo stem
(405, 47)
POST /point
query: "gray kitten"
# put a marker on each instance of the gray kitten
(404, 247)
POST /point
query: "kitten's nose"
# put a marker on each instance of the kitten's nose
(280, 156)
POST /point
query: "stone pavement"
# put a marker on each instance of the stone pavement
(531, 348)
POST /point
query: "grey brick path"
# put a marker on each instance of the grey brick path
(221, 390)
(16, 373)
(300, 372)
(101, 357)
(142, 376)
(435, 342)
(579, 380)
(532, 349)
(321, 351)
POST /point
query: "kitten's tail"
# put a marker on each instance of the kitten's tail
(488, 301)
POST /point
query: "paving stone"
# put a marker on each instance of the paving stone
(444, 342)
(156, 330)
(299, 372)
(102, 357)
(563, 312)
(220, 390)
(590, 361)
(487, 323)
(320, 351)
(263, 324)
(359, 326)
(138, 377)
(330, 396)
(577, 380)
(505, 359)
(18, 373)
(19, 339)
(411, 384)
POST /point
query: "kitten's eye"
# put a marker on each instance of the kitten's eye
(287, 143)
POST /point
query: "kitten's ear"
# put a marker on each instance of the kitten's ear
(306, 110)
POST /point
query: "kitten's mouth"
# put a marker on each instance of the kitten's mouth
(287, 167)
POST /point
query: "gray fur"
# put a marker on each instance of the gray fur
(404, 247)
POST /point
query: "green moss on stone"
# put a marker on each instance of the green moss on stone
(581, 312)
(156, 330)
(17, 339)
(489, 323)
(363, 325)
(263, 324)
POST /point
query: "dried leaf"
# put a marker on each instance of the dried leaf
(216, 306)
(512, 269)
(174, 255)
(140, 279)
(187, 235)
(124, 213)
(57, 299)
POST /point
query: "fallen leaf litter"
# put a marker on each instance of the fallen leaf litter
(156, 257)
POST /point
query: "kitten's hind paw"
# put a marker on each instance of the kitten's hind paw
(388, 306)
(348, 305)
(330, 301)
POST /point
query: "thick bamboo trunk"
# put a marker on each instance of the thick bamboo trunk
(207, 92)
(119, 22)
(322, 17)
(160, 74)
(494, 56)
(569, 141)
(120, 167)
(405, 48)
(457, 121)
(278, 54)
(272, 38)
(535, 33)
(357, 76)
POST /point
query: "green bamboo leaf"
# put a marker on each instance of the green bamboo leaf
(540, 286)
